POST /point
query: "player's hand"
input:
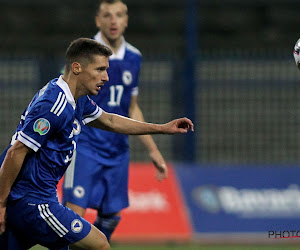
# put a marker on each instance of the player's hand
(160, 164)
(2, 218)
(181, 125)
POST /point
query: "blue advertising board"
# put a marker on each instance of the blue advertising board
(244, 199)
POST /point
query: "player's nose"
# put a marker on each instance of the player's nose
(105, 77)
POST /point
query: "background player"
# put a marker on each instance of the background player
(43, 146)
(99, 178)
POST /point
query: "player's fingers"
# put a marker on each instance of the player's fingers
(160, 176)
(186, 123)
(191, 127)
(182, 130)
(162, 172)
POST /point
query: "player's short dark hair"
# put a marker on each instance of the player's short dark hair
(108, 2)
(83, 50)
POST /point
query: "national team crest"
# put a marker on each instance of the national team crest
(127, 77)
(76, 127)
(41, 126)
(76, 226)
(79, 191)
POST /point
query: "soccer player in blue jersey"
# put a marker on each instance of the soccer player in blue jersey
(43, 147)
(98, 177)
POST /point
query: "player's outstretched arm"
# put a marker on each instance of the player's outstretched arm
(120, 124)
(9, 171)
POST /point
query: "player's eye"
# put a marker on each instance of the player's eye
(106, 15)
(120, 14)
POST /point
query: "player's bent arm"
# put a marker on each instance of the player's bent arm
(159, 162)
(120, 124)
(136, 113)
(9, 171)
(11, 167)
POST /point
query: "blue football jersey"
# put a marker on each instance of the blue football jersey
(114, 97)
(50, 126)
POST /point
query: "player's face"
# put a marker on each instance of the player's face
(112, 20)
(94, 75)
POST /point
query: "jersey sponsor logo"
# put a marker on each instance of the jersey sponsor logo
(79, 191)
(76, 226)
(41, 126)
(127, 77)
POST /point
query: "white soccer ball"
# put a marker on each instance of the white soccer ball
(297, 53)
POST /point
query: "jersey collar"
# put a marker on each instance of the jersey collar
(65, 87)
(121, 52)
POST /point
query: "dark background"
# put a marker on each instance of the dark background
(227, 65)
(154, 26)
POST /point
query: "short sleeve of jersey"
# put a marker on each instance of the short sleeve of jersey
(135, 89)
(91, 110)
(39, 125)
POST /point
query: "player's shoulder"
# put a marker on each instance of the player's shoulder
(53, 99)
(133, 50)
(83, 100)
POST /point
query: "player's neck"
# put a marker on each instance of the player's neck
(72, 86)
(113, 44)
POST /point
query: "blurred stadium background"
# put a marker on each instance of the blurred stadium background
(227, 65)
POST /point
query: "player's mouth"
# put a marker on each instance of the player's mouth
(113, 30)
(99, 86)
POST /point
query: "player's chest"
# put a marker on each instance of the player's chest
(122, 73)
(72, 129)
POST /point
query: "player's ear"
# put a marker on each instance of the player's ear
(76, 68)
